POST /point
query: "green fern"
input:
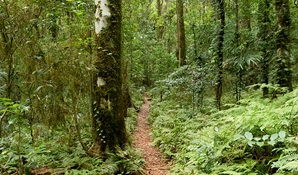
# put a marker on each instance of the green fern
(290, 166)
(203, 144)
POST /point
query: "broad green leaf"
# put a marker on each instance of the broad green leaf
(251, 143)
(273, 137)
(5, 99)
(271, 143)
(14, 106)
(216, 129)
(282, 134)
(260, 144)
(8, 103)
(257, 138)
(248, 135)
(265, 137)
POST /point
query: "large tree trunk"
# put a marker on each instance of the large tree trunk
(221, 16)
(108, 97)
(181, 44)
(283, 64)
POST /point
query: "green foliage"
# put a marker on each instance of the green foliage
(188, 83)
(47, 59)
(130, 120)
(287, 162)
(52, 150)
(257, 136)
(265, 140)
(56, 155)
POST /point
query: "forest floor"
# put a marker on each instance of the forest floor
(155, 163)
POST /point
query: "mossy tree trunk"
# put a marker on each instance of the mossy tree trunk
(264, 35)
(283, 63)
(108, 97)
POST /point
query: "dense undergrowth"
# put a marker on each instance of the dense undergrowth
(58, 151)
(257, 136)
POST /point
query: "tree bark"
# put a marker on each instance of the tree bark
(181, 44)
(8, 57)
(237, 35)
(107, 85)
(283, 63)
(247, 14)
(221, 16)
(264, 35)
(159, 23)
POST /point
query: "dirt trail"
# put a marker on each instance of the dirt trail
(155, 164)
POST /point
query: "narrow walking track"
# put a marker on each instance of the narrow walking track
(155, 164)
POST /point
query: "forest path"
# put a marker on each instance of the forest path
(155, 164)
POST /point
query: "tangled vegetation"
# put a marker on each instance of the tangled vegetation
(256, 136)
(51, 151)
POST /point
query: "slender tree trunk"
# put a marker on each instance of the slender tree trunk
(221, 16)
(283, 63)
(108, 96)
(247, 14)
(127, 101)
(8, 57)
(159, 23)
(195, 47)
(237, 22)
(181, 44)
(10, 75)
(166, 26)
(237, 35)
(264, 23)
(91, 75)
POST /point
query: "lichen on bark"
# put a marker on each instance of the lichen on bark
(102, 14)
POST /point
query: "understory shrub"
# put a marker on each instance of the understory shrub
(52, 152)
(256, 136)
